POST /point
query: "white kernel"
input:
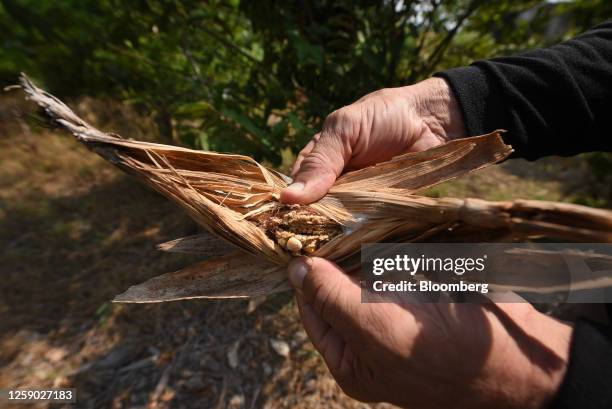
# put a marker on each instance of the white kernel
(294, 245)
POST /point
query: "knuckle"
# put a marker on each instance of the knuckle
(342, 121)
(381, 93)
(386, 92)
(333, 116)
(315, 160)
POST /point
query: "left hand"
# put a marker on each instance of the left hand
(377, 127)
(430, 355)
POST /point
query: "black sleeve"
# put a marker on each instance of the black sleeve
(588, 381)
(552, 101)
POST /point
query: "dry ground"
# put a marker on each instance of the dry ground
(74, 232)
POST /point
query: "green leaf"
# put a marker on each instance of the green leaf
(193, 110)
(298, 124)
(246, 123)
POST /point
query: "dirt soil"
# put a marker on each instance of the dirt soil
(74, 232)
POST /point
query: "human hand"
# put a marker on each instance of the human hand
(416, 355)
(374, 129)
(429, 355)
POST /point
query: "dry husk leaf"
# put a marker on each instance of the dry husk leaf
(236, 199)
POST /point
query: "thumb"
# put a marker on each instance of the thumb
(320, 163)
(333, 297)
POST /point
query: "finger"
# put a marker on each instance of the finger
(505, 297)
(331, 293)
(318, 170)
(325, 339)
(314, 325)
(303, 153)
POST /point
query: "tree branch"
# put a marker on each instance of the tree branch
(435, 57)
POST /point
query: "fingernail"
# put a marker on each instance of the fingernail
(296, 187)
(297, 270)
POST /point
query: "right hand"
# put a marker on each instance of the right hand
(429, 355)
(379, 126)
(421, 356)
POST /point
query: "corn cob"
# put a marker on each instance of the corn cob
(236, 199)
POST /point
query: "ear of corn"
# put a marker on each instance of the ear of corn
(236, 199)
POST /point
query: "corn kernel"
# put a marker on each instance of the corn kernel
(294, 245)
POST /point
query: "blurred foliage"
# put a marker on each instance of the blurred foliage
(598, 192)
(258, 76)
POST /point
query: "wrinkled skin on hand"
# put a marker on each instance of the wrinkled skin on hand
(429, 355)
(374, 129)
(414, 355)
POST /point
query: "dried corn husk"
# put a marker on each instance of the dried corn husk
(236, 199)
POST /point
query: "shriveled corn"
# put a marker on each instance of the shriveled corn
(237, 199)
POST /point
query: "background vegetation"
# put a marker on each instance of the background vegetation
(255, 77)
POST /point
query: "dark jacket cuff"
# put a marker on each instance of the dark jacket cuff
(482, 104)
(588, 381)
